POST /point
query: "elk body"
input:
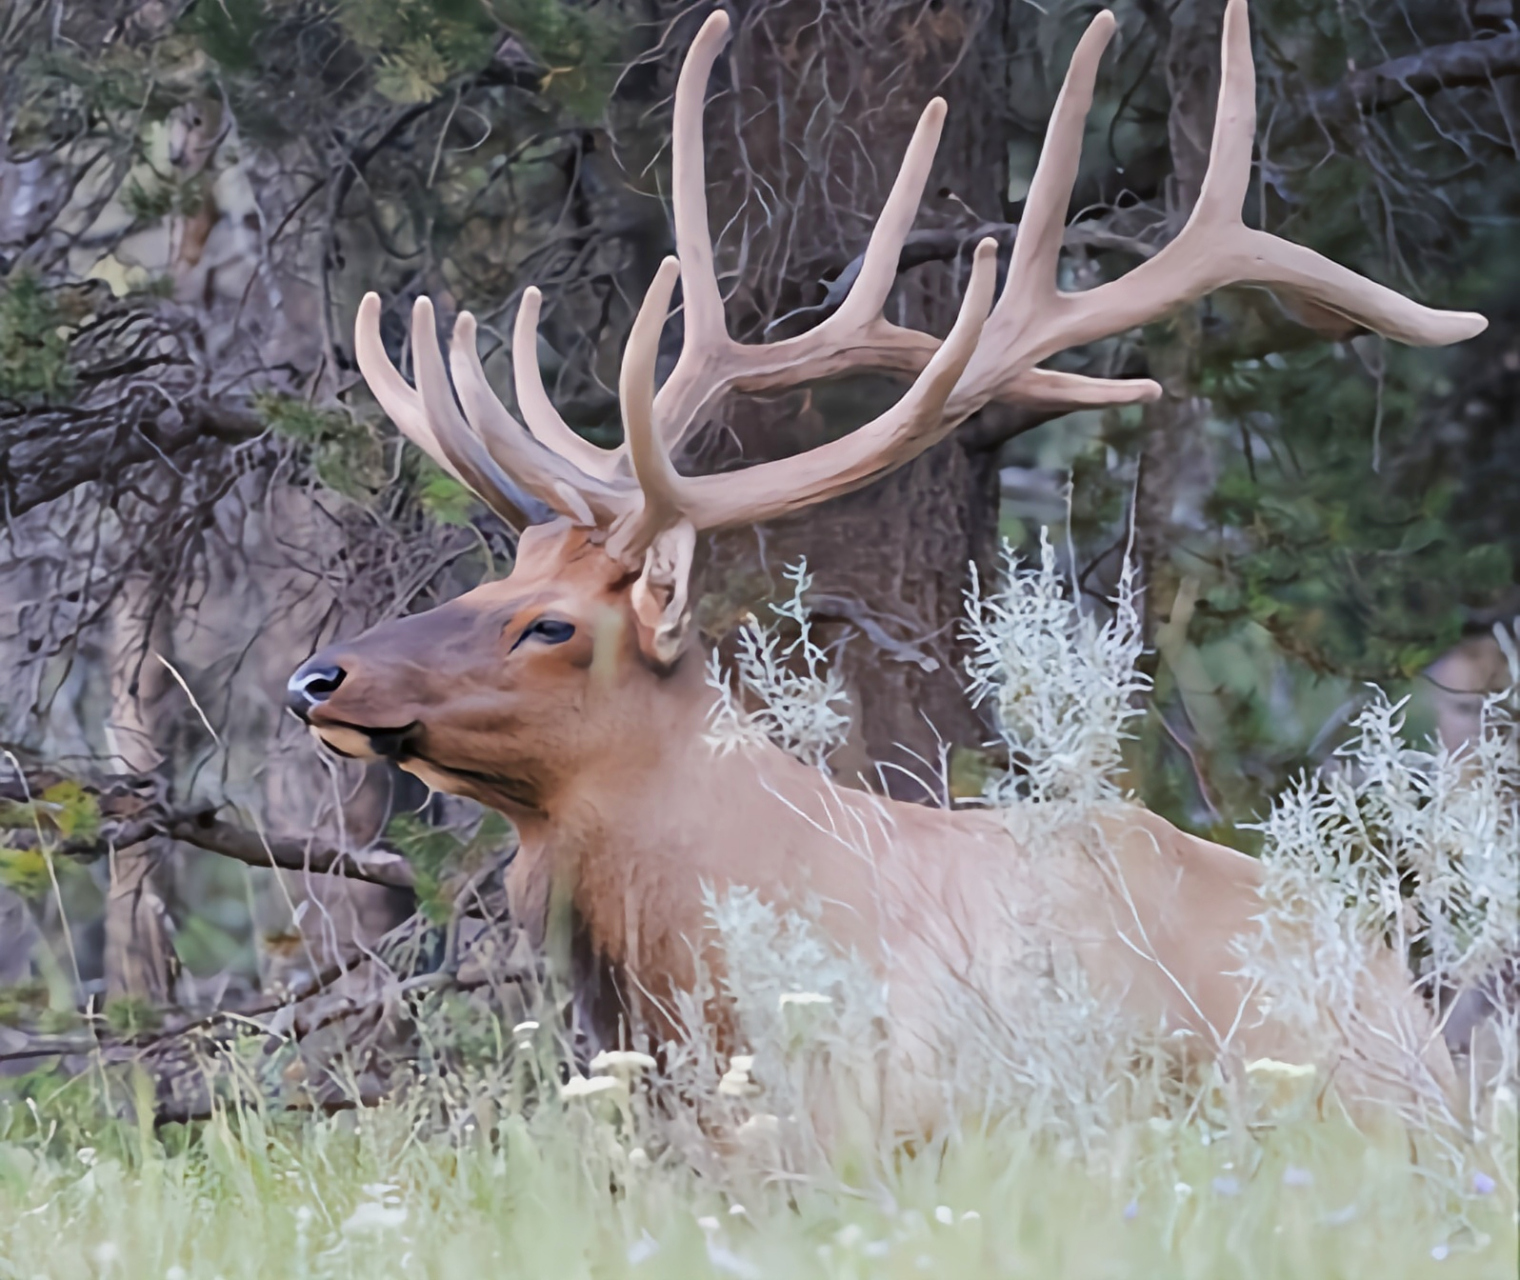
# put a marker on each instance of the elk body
(571, 695)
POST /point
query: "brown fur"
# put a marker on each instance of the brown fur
(600, 757)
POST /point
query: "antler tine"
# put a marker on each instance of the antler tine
(711, 363)
(863, 304)
(657, 477)
(1033, 320)
(856, 335)
(467, 450)
(405, 407)
(538, 410)
(1037, 247)
(1030, 287)
(771, 489)
(699, 278)
(555, 479)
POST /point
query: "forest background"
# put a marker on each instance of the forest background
(198, 491)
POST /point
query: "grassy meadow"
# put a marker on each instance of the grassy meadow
(571, 1188)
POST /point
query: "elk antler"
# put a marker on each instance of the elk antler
(634, 491)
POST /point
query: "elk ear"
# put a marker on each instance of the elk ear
(660, 596)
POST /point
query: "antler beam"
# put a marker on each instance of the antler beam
(634, 491)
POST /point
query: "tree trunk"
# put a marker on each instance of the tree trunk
(826, 105)
(890, 570)
(1174, 457)
(140, 962)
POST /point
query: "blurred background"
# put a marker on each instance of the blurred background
(198, 491)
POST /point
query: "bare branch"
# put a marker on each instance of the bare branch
(205, 831)
(1445, 66)
(133, 809)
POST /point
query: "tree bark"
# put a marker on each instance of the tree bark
(825, 110)
(140, 962)
(1172, 444)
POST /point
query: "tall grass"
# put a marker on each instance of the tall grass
(567, 1189)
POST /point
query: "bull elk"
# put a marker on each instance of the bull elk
(571, 696)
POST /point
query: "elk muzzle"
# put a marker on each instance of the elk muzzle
(312, 684)
(309, 689)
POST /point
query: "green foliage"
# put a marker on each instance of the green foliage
(152, 199)
(577, 45)
(34, 344)
(458, 1032)
(418, 45)
(25, 871)
(72, 810)
(23, 1002)
(147, 201)
(345, 454)
(1344, 557)
(65, 811)
(441, 496)
(556, 1191)
(228, 30)
(438, 856)
(129, 1016)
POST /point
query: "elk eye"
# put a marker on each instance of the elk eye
(547, 631)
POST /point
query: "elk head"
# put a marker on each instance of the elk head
(576, 657)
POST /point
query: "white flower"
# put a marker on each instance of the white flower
(802, 999)
(621, 1062)
(638, 1158)
(86, 1156)
(708, 1224)
(944, 1215)
(1282, 1083)
(759, 1127)
(593, 1086)
(736, 1082)
(1273, 1069)
(371, 1218)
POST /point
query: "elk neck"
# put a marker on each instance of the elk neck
(635, 839)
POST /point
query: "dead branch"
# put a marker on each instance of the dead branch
(205, 831)
(134, 809)
(1420, 75)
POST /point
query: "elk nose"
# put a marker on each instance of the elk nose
(314, 683)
